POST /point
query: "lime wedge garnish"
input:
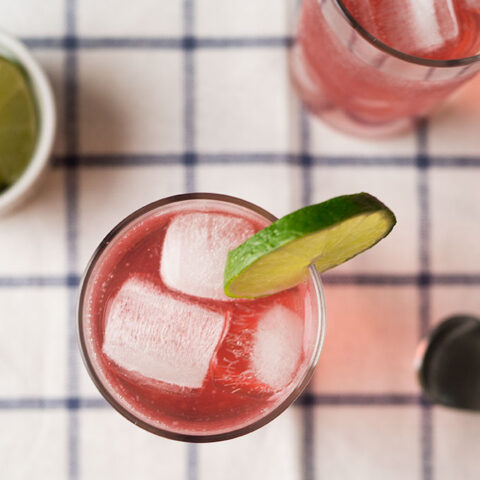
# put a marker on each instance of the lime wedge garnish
(326, 234)
(18, 122)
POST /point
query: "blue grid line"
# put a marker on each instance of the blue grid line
(70, 42)
(308, 399)
(189, 161)
(361, 400)
(455, 279)
(360, 161)
(308, 441)
(39, 281)
(145, 159)
(360, 279)
(120, 160)
(189, 158)
(192, 461)
(134, 160)
(308, 419)
(424, 227)
(305, 158)
(452, 161)
(69, 403)
(243, 42)
(73, 419)
(390, 280)
(72, 209)
(426, 440)
(377, 280)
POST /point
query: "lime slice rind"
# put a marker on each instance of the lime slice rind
(326, 234)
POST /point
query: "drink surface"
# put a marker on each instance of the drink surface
(167, 343)
(347, 81)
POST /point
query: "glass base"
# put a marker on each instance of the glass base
(316, 102)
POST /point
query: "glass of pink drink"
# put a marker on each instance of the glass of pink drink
(168, 349)
(372, 67)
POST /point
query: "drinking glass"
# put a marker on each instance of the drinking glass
(124, 392)
(358, 84)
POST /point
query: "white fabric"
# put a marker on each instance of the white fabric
(130, 136)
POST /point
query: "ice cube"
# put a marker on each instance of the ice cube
(195, 251)
(434, 23)
(162, 338)
(277, 347)
(413, 26)
(260, 352)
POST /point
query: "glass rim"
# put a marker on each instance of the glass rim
(376, 43)
(110, 398)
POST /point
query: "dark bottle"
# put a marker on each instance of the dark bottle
(450, 368)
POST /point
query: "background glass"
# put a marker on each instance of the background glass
(360, 85)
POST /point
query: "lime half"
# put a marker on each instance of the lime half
(326, 234)
(18, 122)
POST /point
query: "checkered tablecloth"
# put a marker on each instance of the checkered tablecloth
(162, 97)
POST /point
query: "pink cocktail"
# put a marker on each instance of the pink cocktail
(168, 349)
(372, 67)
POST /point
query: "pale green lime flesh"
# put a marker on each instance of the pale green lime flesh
(326, 234)
(18, 122)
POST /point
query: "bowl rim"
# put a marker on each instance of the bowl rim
(47, 122)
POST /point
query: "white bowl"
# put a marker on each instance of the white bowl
(20, 190)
